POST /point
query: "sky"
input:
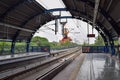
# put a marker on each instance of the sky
(77, 28)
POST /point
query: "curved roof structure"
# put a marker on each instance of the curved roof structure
(107, 17)
(20, 19)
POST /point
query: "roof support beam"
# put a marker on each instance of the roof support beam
(95, 11)
(106, 32)
(65, 9)
(16, 27)
(56, 9)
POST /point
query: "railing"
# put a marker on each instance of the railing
(22, 49)
(95, 49)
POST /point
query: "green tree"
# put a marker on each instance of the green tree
(5, 46)
(66, 44)
(99, 41)
(116, 42)
(39, 41)
(85, 43)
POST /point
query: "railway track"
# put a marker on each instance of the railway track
(21, 72)
(53, 72)
(25, 60)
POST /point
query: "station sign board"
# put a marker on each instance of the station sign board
(90, 35)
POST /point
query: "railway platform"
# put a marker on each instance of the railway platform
(70, 64)
(95, 66)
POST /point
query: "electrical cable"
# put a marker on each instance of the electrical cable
(80, 29)
(50, 29)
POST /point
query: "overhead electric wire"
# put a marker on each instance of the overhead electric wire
(74, 36)
(80, 29)
(57, 36)
(47, 32)
(49, 29)
(16, 27)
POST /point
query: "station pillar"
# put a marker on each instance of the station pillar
(13, 47)
(106, 47)
(112, 47)
(27, 46)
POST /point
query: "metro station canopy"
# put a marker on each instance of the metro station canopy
(20, 19)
